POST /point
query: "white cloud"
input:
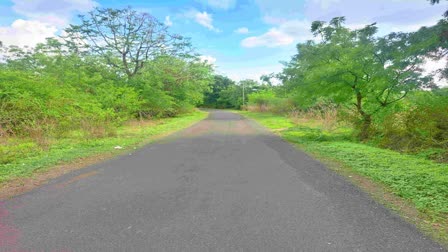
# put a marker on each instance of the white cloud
(253, 73)
(208, 59)
(168, 21)
(275, 9)
(390, 15)
(274, 20)
(325, 4)
(273, 38)
(43, 19)
(57, 13)
(242, 30)
(431, 66)
(219, 4)
(203, 18)
(388, 27)
(26, 32)
(285, 34)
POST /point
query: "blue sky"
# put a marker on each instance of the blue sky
(243, 38)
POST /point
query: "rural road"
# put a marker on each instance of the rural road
(225, 184)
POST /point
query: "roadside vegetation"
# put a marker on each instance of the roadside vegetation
(74, 95)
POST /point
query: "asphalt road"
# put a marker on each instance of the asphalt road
(224, 184)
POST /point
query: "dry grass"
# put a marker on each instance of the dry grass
(3, 136)
(323, 115)
(136, 123)
(259, 108)
(326, 117)
(39, 136)
(98, 129)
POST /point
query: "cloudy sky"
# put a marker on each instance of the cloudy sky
(243, 38)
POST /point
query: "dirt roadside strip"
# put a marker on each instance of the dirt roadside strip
(20, 185)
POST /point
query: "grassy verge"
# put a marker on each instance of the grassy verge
(70, 149)
(420, 183)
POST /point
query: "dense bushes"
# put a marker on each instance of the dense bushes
(267, 101)
(421, 124)
(225, 93)
(216, 97)
(39, 107)
(33, 106)
(262, 101)
(32, 102)
(168, 86)
(417, 125)
(72, 87)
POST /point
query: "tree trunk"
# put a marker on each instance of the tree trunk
(364, 134)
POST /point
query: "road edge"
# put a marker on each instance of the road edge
(22, 185)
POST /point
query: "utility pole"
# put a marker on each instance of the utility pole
(243, 93)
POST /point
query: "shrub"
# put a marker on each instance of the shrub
(422, 124)
(11, 152)
(267, 101)
(36, 107)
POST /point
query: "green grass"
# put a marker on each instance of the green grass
(421, 181)
(29, 158)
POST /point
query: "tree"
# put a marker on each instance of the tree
(170, 85)
(212, 98)
(266, 79)
(355, 67)
(125, 38)
(231, 97)
(248, 86)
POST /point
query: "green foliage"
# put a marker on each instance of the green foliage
(29, 104)
(54, 104)
(12, 152)
(231, 97)
(212, 98)
(169, 85)
(375, 83)
(262, 98)
(122, 100)
(355, 68)
(267, 100)
(236, 96)
(423, 124)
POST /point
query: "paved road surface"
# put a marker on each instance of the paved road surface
(224, 184)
